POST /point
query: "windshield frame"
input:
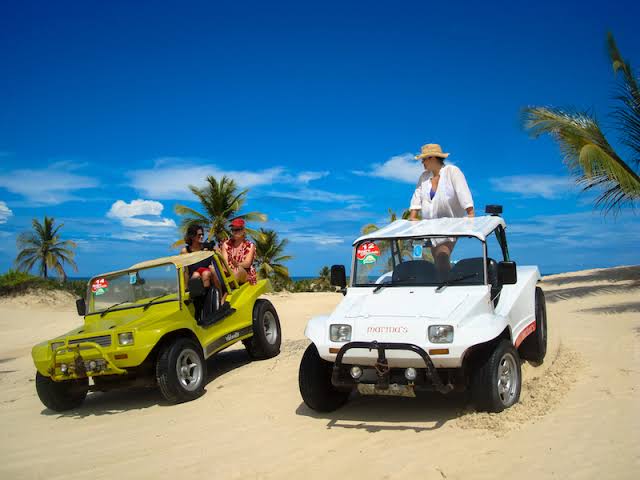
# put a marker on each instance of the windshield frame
(89, 298)
(393, 241)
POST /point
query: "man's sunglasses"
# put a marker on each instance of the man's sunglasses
(237, 229)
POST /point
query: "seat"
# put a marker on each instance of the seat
(414, 272)
(468, 266)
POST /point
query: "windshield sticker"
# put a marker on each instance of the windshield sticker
(367, 253)
(99, 286)
(417, 251)
(133, 278)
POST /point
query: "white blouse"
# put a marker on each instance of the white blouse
(451, 199)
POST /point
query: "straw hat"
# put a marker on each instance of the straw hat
(431, 150)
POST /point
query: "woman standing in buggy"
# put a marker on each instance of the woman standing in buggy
(442, 191)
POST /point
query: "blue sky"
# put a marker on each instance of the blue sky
(110, 109)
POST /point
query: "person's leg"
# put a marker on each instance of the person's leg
(241, 274)
(441, 256)
(206, 278)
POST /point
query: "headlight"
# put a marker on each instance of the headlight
(55, 345)
(125, 338)
(340, 333)
(441, 334)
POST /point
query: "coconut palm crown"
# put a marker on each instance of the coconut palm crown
(270, 255)
(45, 248)
(587, 153)
(222, 202)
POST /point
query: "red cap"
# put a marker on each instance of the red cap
(237, 222)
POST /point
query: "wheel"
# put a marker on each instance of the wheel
(61, 396)
(314, 379)
(497, 381)
(181, 371)
(534, 347)
(267, 334)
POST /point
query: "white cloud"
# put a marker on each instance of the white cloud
(170, 178)
(313, 195)
(582, 230)
(306, 177)
(321, 239)
(49, 186)
(5, 212)
(402, 168)
(546, 186)
(129, 214)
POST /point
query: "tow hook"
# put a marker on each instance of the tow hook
(382, 368)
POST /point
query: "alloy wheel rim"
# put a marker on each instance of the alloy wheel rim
(189, 369)
(270, 327)
(507, 379)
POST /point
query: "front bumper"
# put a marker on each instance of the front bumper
(75, 361)
(385, 376)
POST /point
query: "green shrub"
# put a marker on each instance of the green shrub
(15, 282)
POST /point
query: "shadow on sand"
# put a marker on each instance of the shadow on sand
(617, 274)
(375, 414)
(580, 292)
(617, 308)
(128, 399)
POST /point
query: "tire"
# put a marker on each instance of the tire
(497, 380)
(181, 371)
(61, 396)
(314, 380)
(267, 334)
(534, 347)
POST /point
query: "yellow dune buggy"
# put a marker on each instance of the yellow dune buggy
(151, 325)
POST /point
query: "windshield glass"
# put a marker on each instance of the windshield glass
(133, 288)
(410, 261)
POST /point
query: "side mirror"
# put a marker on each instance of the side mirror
(81, 306)
(507, 274)
(338, 276)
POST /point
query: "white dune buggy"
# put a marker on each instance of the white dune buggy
(409, 323)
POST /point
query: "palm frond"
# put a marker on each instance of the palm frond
(587, 154)
(628, 111)
(368, 228)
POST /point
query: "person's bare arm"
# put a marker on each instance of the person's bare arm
(471, 212)
(248, 259)
(223, 251)
(184, 250)
(413, 214)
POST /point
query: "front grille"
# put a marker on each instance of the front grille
(103, 340)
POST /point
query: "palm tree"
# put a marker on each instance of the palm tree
(44, 245)
(324, 277)
(587, 153)
(221, 202)
(372, 227)
(269, 254)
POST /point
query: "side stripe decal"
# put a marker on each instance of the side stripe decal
(229, 337)
(528, 330)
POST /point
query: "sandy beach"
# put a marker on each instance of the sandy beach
(578, 416)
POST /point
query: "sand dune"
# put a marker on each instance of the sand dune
(578, 415)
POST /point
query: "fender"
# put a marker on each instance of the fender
(316, 331)
(481, 329)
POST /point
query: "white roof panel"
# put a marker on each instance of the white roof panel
(478, 227)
